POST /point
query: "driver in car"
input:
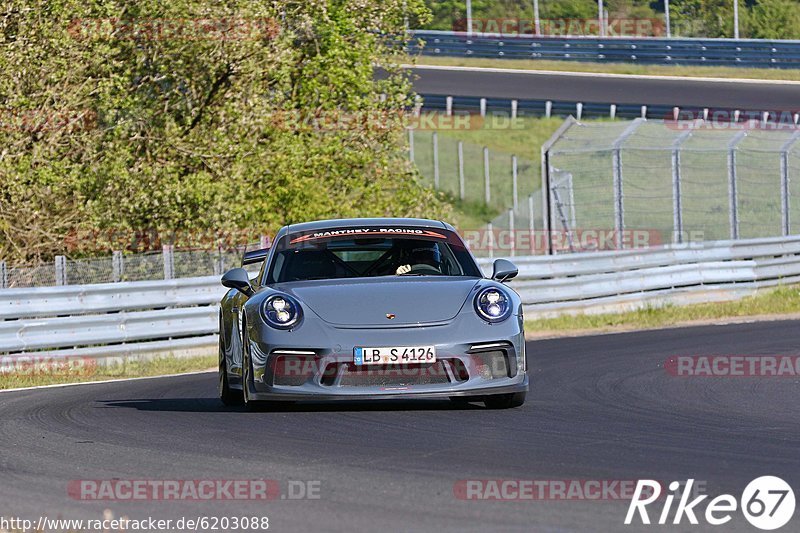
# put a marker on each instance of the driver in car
(423, 257)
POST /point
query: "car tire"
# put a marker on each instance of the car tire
(505, 401)
(228, 396)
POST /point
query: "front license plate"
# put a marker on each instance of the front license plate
(398, 355)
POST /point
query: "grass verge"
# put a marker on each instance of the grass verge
(616, 68)
(763, 305)
(36, 372)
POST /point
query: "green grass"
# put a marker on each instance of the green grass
(783, 300)
(46, 372)
(524, 139)
(616, 68)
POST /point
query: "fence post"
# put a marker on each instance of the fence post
(461, 183)
(61, 270)
(435, 138)
(785, 198)
(411, 144)
(514, 198)
(733, 203)
(117, 266)
(546, 169)
(490, 229)
(169, 261)
(619, 207)
(487, 192)
(511, 232)
(785, 193)
(677, 200)
(531, 225)
(3, 275)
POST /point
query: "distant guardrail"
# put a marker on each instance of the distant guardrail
(128, 318)
(675, 51)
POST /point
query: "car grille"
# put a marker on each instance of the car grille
(393, 375)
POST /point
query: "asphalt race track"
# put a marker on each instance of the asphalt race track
(601, 408)
(608, 89)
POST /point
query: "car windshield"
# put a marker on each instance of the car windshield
(300, 258)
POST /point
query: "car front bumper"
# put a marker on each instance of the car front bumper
(488, 359)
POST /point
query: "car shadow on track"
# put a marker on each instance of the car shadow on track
(212, 405)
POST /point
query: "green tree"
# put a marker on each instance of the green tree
(196, 127)
(773, 19)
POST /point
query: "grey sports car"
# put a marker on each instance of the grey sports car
(369, 309)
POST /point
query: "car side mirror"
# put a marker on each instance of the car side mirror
(504, 270)
(239, 279)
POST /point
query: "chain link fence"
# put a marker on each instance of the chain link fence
(615, 185)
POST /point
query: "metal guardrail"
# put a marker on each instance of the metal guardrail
(675, 51)
(137, 317)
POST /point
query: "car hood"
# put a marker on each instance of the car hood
(367, 302)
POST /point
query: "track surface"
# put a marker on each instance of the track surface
(601, 408)
(611, 90)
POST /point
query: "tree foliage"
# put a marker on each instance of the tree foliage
(124, 115)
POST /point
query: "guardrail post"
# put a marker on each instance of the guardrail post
(117, 266)
(61, 270)
(417, 105)
(514, 199)
(644, 111)
(511, 232)
(435, 137)
(448, 105)
(579, 110)
(461, 182)
(487, 191)
(531, 225)
(733, 203)
(514, 104)
(612, 111)
(264, 241)
(411, 144)
(167, 254)
(483, 107)
(3, 275)
(548, 109)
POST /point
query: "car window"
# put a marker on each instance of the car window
(342, 258)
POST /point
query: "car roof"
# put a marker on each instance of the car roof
(359, 222)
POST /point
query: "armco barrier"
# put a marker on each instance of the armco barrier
(152, 317)
(677, 51)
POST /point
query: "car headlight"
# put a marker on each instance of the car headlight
(281, 311)
(493, 304)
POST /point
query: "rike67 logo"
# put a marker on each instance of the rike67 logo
(767, 503)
